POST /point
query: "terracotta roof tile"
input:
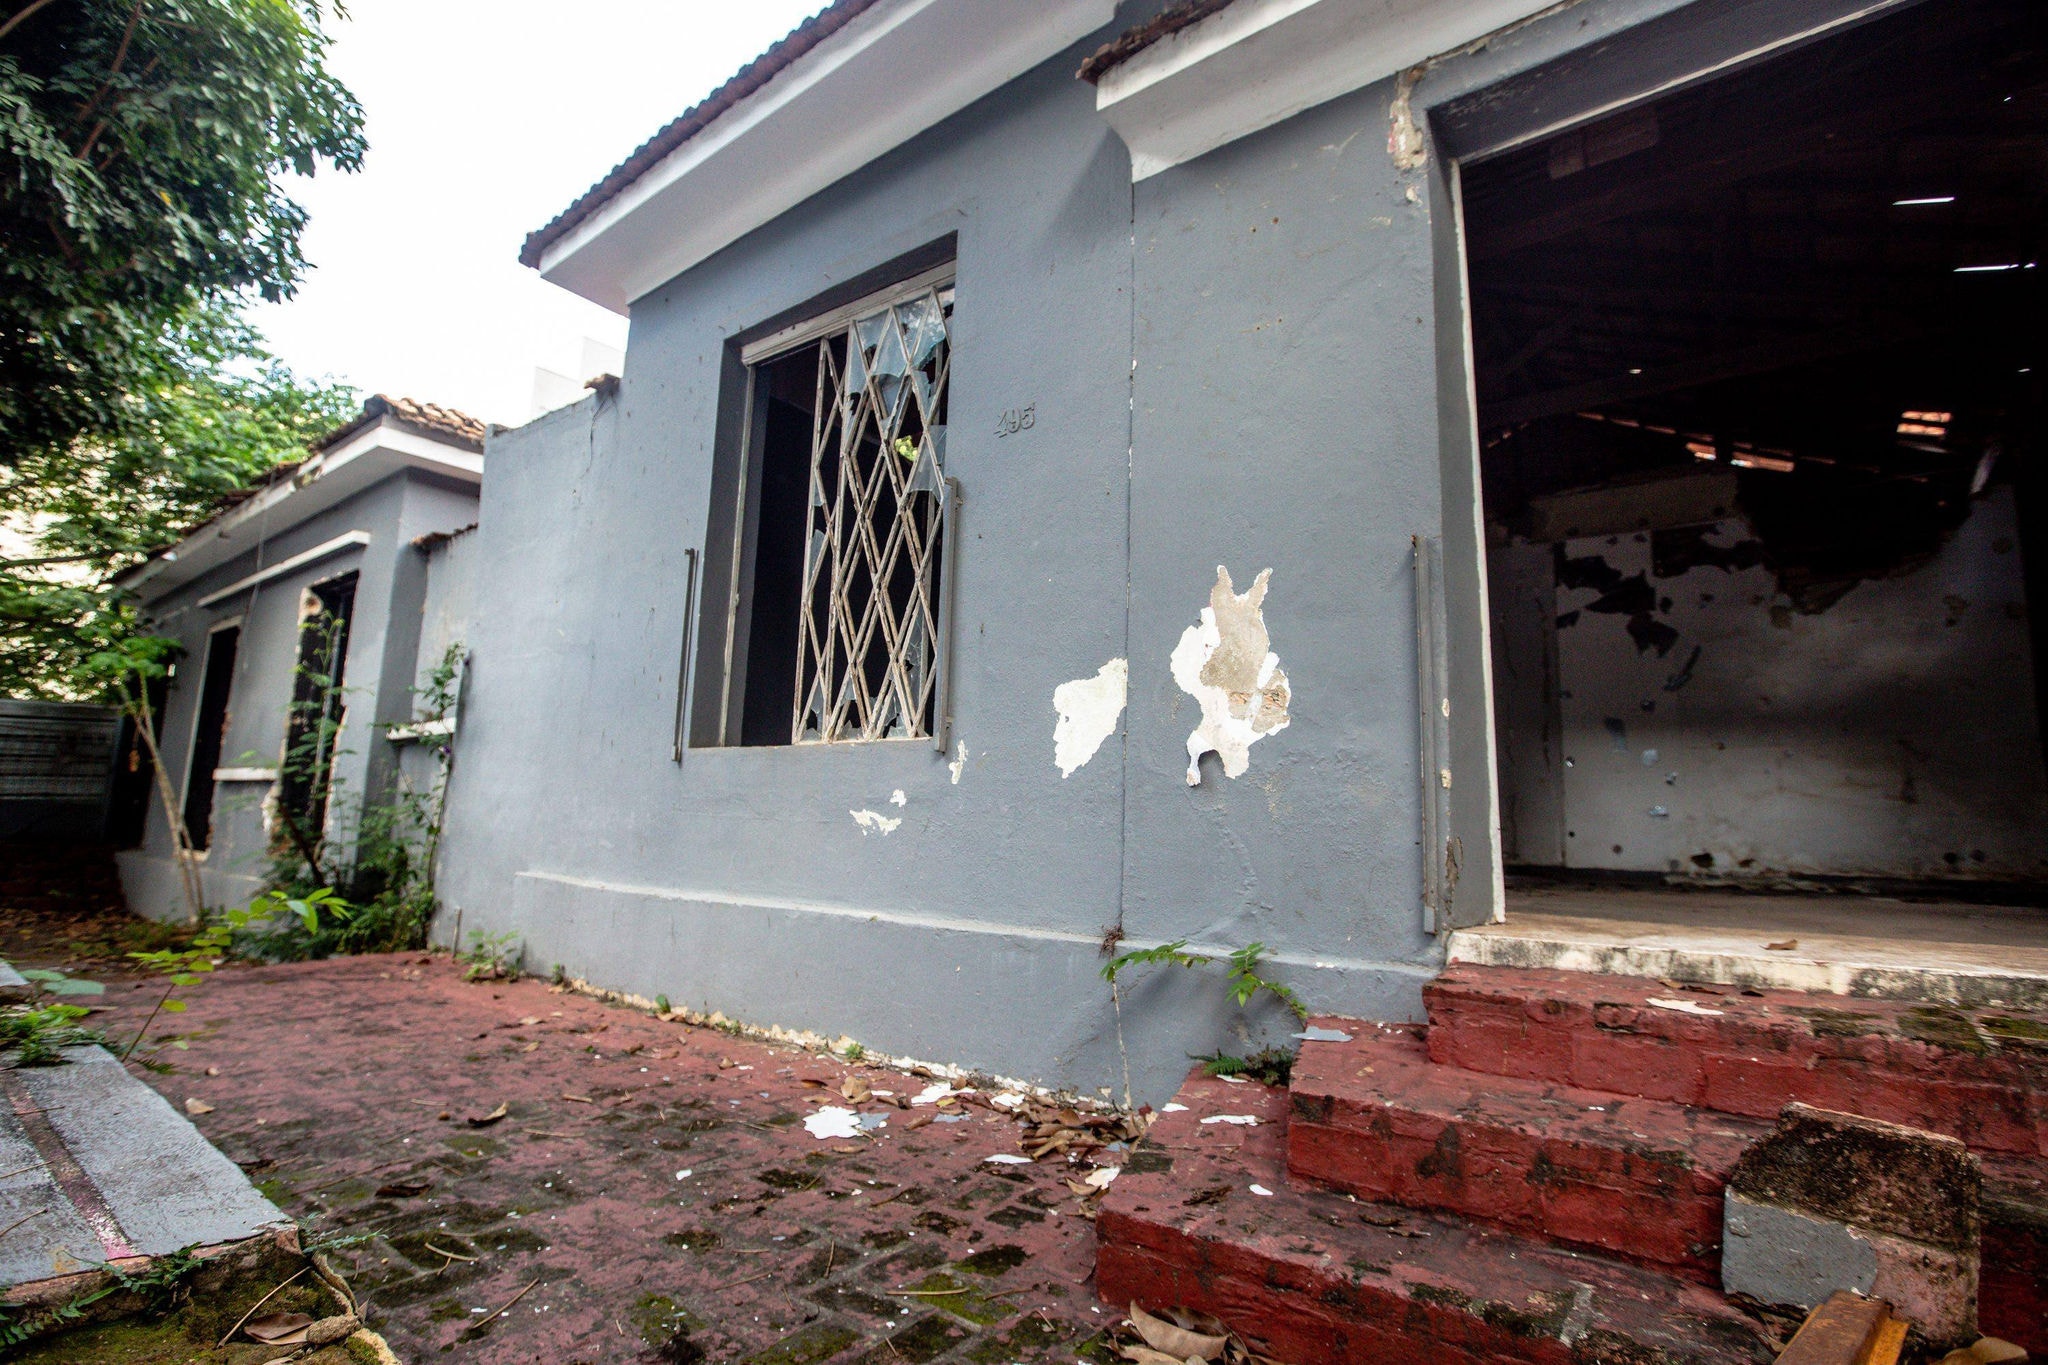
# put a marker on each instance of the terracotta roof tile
(431, 418)
(694, 120)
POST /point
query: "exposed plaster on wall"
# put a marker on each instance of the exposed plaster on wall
(959, 763)
(874, 822)
(1405, 141)
(1226, 665)
(1088, 709)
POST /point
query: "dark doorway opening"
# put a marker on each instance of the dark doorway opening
(1759, 374)
(318, 706)
(215, 687)
(786, 398)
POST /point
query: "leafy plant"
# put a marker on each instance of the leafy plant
(217, 940)
(1268, 1066)
(492, 957)
(35, 1030)
(1241, 971)
(162, 1287)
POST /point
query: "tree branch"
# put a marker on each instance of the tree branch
(113, 70)
(21, 16)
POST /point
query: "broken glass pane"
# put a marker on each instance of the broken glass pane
(924, 327)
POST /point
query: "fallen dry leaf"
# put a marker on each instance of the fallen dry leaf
(1177, 1342)
(579, 1099)
(1145, 1355)
(1783, 946)
(487, 1120)
(403, 1189)
(855, 1088)
(213, 1071)
(848, 1150)
(197, 1106)
(279, 1329)
(531, 1046)
(530, 1019)
(726, 1063)
(917, 1121)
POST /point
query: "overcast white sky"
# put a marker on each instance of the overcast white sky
(486, 118)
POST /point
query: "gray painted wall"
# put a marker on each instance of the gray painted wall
(381, 637)
(1238, 362)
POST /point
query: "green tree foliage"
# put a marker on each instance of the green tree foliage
(210, 414)
(143, 148)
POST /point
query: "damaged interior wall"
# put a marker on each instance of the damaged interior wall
(1761, 422)
(1891, 733)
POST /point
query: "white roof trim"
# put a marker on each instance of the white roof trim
(1256, 62)
(380, 450)
(895, 71)
(324, 550)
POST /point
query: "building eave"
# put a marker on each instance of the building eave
(1214, 75)
(888, 72)
(365, 455)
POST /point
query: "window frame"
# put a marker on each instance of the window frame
(715, 720)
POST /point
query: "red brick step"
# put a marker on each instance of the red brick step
(1977, 1074)
(1641, 1179)
(1315, 1278)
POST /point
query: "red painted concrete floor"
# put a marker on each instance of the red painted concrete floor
(652, 1181)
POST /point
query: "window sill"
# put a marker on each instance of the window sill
(426, 729)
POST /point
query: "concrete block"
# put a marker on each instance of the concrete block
(1832, 1202)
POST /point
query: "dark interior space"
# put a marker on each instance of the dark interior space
(786, 394)
(209, 732)
(1759, 388)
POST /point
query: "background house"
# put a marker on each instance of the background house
(325, 572)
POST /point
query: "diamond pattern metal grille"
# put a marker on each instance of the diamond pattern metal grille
(868, 624)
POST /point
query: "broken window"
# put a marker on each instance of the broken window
(317, 707)
(836, 612)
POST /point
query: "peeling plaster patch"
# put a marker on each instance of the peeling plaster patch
(1088, 710)
(959, 763)
(1224, 664)
(874, 822)
(898, 799)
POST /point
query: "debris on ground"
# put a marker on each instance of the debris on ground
(1180, 1336)
(649, 1190)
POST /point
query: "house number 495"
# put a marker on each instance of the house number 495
(1016, 420)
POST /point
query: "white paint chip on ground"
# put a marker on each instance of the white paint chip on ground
(959, 763)
(1007, 1159)
(1261, 1189)
(1224, 664)
(874, 822)
(682, 1175)
(1088, 709)
(1174, 1109)
(898, 799)
(1233, 1080)
(932, 1094)
(1241, 1120)
(1009, 1099)
(1101, 1176)
(1684, 1006)
(833, 1122)
(1312, 1034)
